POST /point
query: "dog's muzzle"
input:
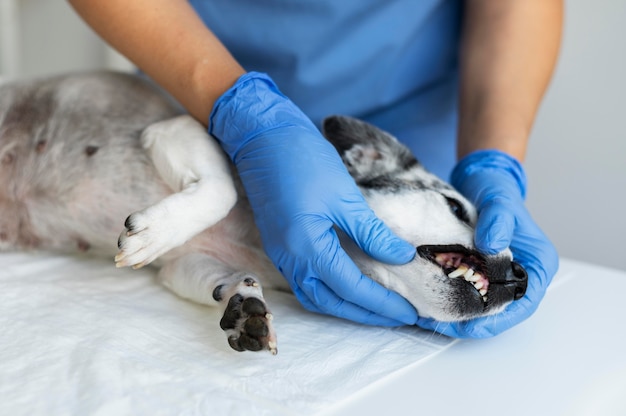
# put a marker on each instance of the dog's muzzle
(506, 279)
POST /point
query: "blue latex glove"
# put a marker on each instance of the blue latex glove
(299, 190)
(496, 183)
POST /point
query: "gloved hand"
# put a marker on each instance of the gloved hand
(496, 183)
(299, 189)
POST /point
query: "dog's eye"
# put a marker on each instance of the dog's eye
(458, 210)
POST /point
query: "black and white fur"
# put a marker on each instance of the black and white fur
(79, 152)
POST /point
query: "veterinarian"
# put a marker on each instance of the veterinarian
(450, 79)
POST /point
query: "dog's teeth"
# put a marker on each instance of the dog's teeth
(483, 292)
(458, 272)
(269, 316)
(473, 278)
(478, 285)
(468, 274)
(484, 298)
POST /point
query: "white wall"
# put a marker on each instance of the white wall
(577, 158)
(50, 39)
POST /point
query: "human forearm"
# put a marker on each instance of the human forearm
(169, 42)
(508, 54)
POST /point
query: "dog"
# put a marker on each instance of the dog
(79, 152)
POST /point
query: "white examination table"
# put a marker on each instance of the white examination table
(79, 337)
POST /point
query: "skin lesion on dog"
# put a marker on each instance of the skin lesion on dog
(80, 153)
(41, 146)
(7, 158)
(91, 150)
(82, 245)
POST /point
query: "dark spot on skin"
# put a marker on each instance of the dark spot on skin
(91, 150)
(217, 293)
(8, 158)
(83, 245)
(41, 146)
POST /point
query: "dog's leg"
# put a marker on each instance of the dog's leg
(246, 319)
(197, 170)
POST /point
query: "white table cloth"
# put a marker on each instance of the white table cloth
(79, 337)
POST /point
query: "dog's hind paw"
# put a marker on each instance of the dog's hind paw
(248, 325)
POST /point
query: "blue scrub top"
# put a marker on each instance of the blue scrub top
(390, 62)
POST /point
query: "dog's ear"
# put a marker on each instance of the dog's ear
(366, 150)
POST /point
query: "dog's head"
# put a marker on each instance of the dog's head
(448, 280)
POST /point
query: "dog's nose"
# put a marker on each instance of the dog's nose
(514, 282)
(518, 280)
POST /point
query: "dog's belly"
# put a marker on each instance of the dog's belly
(71, 164)
(86, 213)
(72, 168)
(68, 209)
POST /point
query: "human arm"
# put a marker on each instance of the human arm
(296, 183)
(508, 53)
(170, 43)
(509, 50)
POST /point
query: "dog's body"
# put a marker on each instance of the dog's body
(79, 153)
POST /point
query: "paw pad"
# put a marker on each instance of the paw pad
(247, 321)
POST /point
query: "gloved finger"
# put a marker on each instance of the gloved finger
(534, 251)
(323, 296)
(495, 226)
(327, 302)
(339, 273)
(376, 239)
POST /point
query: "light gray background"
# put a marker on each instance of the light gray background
(576, 162)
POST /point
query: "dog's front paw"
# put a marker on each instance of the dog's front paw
(248, 324)
(147, 236)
